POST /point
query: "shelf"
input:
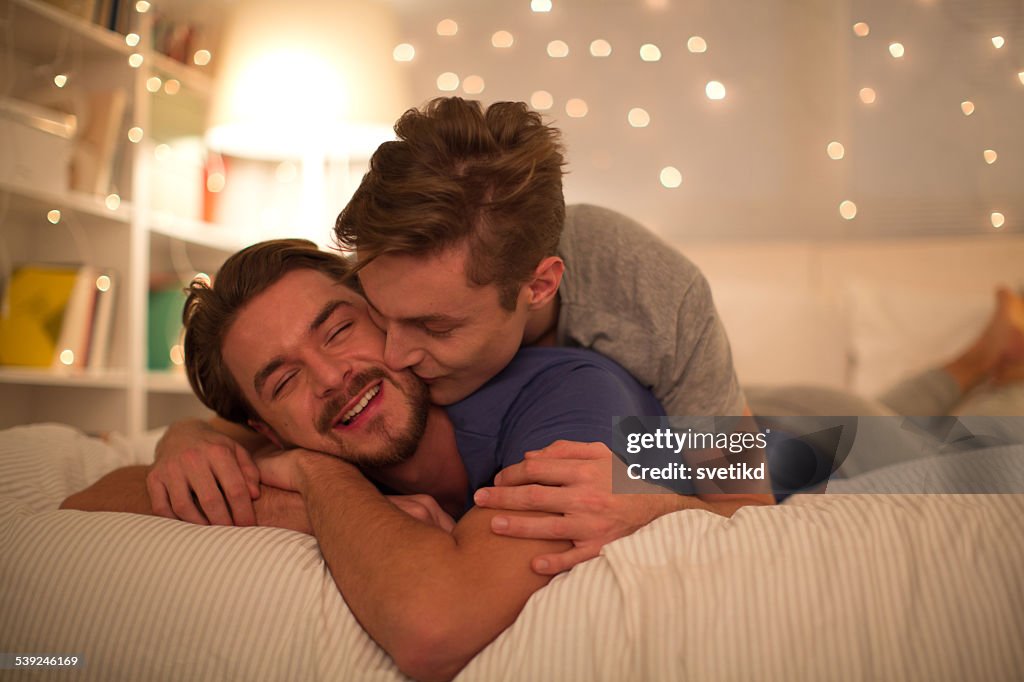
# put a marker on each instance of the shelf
(29, 200)
(44, 32)
(167, 382)
(191, 77)
(197, 232)
(44, 376)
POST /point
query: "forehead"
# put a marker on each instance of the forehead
(412, 287)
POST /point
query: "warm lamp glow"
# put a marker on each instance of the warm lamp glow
(861, 29)
(835, 150)
(600, 48)
(998, 219)
(697, 45)
(557, 49)
(848, 210)
(638, 118)
(311, 76)
(542, 100)
(714, 90)
(576, 108)
(670, 177)
(649, 52)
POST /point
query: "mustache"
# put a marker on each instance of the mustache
(332, 408)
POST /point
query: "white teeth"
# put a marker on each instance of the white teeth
(367, 397)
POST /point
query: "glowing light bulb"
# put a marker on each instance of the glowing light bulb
(112, 202)
(403, 52)
(714, 90)
(202, 57)
(861, 30)
(135, 60)
(990, 156)
(696, 45)
(600, 48)
(135, 134)
(473, 85)
(868, 95)
(1020, 76)
(650, 52)
(447, 27)
(998, 219)
(896, 50)
(103, 283)
(638, 118)
(502, 39)
(558, 49)
(848, 209)
(576, 108)
(835, 150)
(215, 182)
(153, 84)
(132, 39)
(670, 177)
(448, 82)
(540, 5)
(60, 80)
(202, 277)
(998, 42)
(53, 216)
(172, 86)
(542, 100)
(177, 354)
(67, 357)
(142, 6)
(967, 107)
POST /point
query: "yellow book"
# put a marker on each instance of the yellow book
(35, 300)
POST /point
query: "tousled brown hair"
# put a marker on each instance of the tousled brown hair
(458, 174)
(211, 309)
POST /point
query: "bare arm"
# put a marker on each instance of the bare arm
(431, 599)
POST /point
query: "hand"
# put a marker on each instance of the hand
(281, 470)
(573, 480)
(282, 509)
(424, 508)
(193, 459)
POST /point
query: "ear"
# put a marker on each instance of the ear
(545, 282)
(264, 430)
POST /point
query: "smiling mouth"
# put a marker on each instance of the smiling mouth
(357, 409)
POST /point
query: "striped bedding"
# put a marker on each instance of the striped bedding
(834, 587)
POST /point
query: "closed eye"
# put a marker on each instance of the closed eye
(280, 386)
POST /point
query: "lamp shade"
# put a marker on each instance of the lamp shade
(308, 76)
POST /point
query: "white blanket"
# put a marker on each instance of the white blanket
(834, 587)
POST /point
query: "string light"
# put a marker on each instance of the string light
(1020, 76)
(447, 27)
(696, 45)
(53, 216)
(162, 152)
(670, 177)
(638, 118)
(558, 49)
(649, 52)
(142, 6)
(112, 202)
(202, 57)
(215, 182)
(896, 50)
(135, 60)
(67, 357)
(403, 52)
(177, 354)
(600, 48)
(861, 30)
(867, 95)
(473, 85)
(153, 84)
(502, 39)
(448, 82)
(714, 90)
(60, 80)
(576, 108)
(967, 106)
(103, 283)
(835, 150)
(848, 209)
(990, 156)
(135, 134)
(998, 219)
(540, 5)
(132, 39)
(172, 86)
(542, 100)
(998, 42)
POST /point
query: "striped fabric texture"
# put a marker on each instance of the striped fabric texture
(837, 587)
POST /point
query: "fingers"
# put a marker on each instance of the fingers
(524, 498)
(539, 527)
(229, 482)
(178, 497)
(249, 470)
(544, 471)
(210, 497)
(552, 564)
(567, 449)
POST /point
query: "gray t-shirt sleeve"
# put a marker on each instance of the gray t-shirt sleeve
(635, 299)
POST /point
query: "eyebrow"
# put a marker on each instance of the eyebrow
(421, 319)
(268, 369)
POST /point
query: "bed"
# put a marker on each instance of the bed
(837, 586)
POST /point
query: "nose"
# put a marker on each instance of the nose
(328, 373)
(399, 352)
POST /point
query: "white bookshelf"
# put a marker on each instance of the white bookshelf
(131, 238)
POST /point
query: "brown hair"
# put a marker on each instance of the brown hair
(459, 174)
(211, 309)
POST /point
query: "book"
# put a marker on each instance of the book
(102, 324)
(92, 159)
(76, 329)
(164, 325)
(35, 302)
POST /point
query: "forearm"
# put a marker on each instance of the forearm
(430, 599)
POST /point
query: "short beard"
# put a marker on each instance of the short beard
(398, 445)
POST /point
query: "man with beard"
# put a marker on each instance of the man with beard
(281, 343)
